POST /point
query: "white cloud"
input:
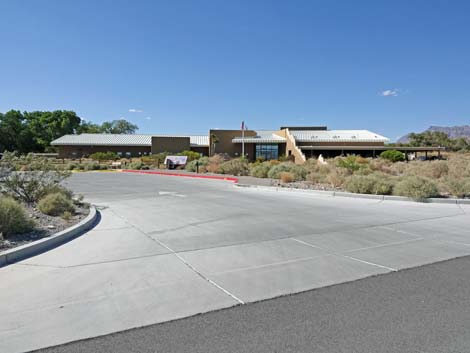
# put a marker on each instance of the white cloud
(389, 93)
(135, 110)
(148, 118)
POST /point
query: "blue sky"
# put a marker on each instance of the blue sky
(186, 66)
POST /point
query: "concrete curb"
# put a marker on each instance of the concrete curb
(233, 179)
(45, 244)
(357, 196)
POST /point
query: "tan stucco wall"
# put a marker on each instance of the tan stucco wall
(170, 144)
(225, 144)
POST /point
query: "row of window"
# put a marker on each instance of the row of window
(267, 151)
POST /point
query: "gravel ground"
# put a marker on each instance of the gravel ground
(45, 227)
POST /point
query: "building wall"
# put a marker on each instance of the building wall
(202, 150)
(225, 144)
(170, 144)
(84, 151)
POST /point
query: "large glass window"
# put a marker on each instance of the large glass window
(267, 151)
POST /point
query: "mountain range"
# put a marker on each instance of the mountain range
(451, 131)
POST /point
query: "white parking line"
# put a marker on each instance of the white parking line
(345, 256)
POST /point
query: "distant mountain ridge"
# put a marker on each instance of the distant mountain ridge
(451, 131)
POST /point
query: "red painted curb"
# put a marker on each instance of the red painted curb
(235, 180)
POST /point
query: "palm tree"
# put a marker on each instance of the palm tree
(214, 140)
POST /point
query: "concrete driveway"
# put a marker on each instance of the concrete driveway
(171, 247)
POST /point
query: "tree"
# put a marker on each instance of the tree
(214, 139)
(14, 133)
(430, 138)
(48, 126)
(88, 128)
(120, 126)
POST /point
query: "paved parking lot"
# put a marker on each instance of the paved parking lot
(169, 247)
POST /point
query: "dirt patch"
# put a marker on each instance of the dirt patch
(45, 226)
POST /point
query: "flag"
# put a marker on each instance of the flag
(244, 127)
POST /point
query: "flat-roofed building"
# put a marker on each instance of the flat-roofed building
(295, 142)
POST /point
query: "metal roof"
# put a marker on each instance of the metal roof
(263, 136)
(122, 140)
(337, 136)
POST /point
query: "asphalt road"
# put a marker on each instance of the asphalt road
(423, 309)
(170, 247)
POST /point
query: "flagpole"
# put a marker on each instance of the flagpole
(243, 139)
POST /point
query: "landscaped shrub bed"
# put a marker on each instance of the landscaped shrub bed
(386, 175)
(33, 204)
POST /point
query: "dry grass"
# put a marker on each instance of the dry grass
(286, 177)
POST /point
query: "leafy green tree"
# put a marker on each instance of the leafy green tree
(48, 126)
(87, 127)
(430, 138)
(15, 134)
(120, 126)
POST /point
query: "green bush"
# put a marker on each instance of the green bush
(298, 171)
(137, 165)
(28, 178)
(416, 187)
(260, 170)
(393, 155)
(104, 156)
(56, 204)
(92, 166)
(350, 163)
(13, 217)
(191, 155)
(369, 184)
(191, 166)
(237, 166)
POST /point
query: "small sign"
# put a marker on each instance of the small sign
(176, 160)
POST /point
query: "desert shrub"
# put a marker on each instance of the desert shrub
(214, 163)
(28, 178)
(393, 156)
(238, 166)
(318, 172)
(92, 166)
(286, 177)
(203, 162)
(416, 187)
(71, 166)
(429, 169)
(191, 155)
(67, 215)
(56, 204)
(136, 165)
(298, 171)
(380, 165)
(369, 184)
(13, 217)
(351, 163)
(399, 168)
(459, 166)
(456, 187)
(336, 178)
(104, 156)
(260, 170)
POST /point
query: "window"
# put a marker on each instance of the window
(267, 151)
